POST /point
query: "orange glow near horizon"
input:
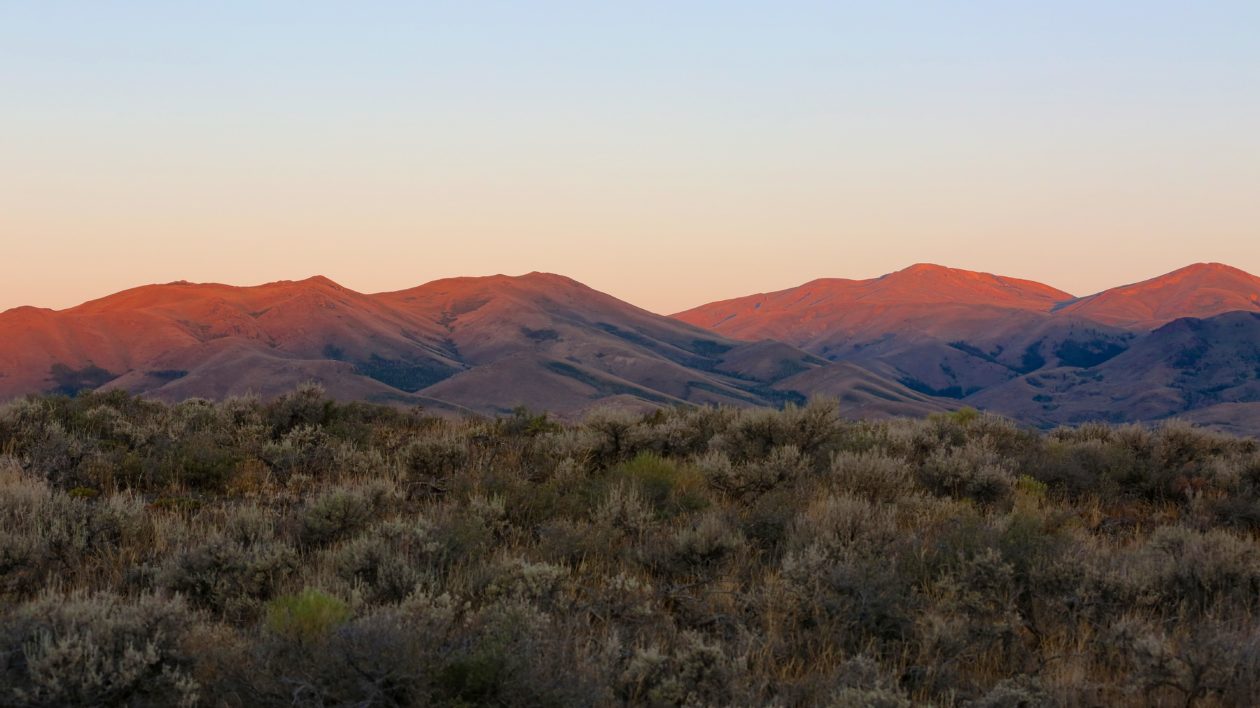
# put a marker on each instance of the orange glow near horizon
(749, 150)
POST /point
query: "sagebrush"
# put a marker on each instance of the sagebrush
(303, 552)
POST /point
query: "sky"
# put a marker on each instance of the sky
(668, 153)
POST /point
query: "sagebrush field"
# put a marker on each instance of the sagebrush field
(302, 552)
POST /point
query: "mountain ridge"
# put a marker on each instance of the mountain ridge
(209, 340)
(923, 339)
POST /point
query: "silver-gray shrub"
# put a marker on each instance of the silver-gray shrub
(344, 511)
(872, 475)
(1198, 572)
(232, 577)
(973, 471)
(97, 649)
(45, 531)
(689, 672)
(750, 478)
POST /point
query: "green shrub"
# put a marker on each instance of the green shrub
(615, 436)
(670, 488)
(815, 430)
(1018, 692)
(308, 616)
(847, 601)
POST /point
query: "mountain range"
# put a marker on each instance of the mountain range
(920, 340)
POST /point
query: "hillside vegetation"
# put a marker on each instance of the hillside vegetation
(302, 552)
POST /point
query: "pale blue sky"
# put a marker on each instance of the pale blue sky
(668, 153)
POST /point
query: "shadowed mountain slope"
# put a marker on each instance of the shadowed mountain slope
(862, 393)
(1188, 365)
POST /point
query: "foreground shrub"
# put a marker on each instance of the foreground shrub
(388, 561)
(692, 672)
(304, 552)
(99, 649)
(47, 532)
(341, 513)
(872, 475)
(973, 471)
(230, 577)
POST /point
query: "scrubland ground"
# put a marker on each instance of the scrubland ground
(302, 552)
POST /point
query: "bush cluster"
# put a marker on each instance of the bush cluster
(303, 552)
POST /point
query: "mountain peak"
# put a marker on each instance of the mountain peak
(929, 282)
(1198, 290)
(1205, 270)
(551, 279)
(1212, 265)
(929, 268)
(898, 303)
(319, 280)
(22, 311)
(533, 283)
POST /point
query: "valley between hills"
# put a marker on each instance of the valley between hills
(917, 341)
